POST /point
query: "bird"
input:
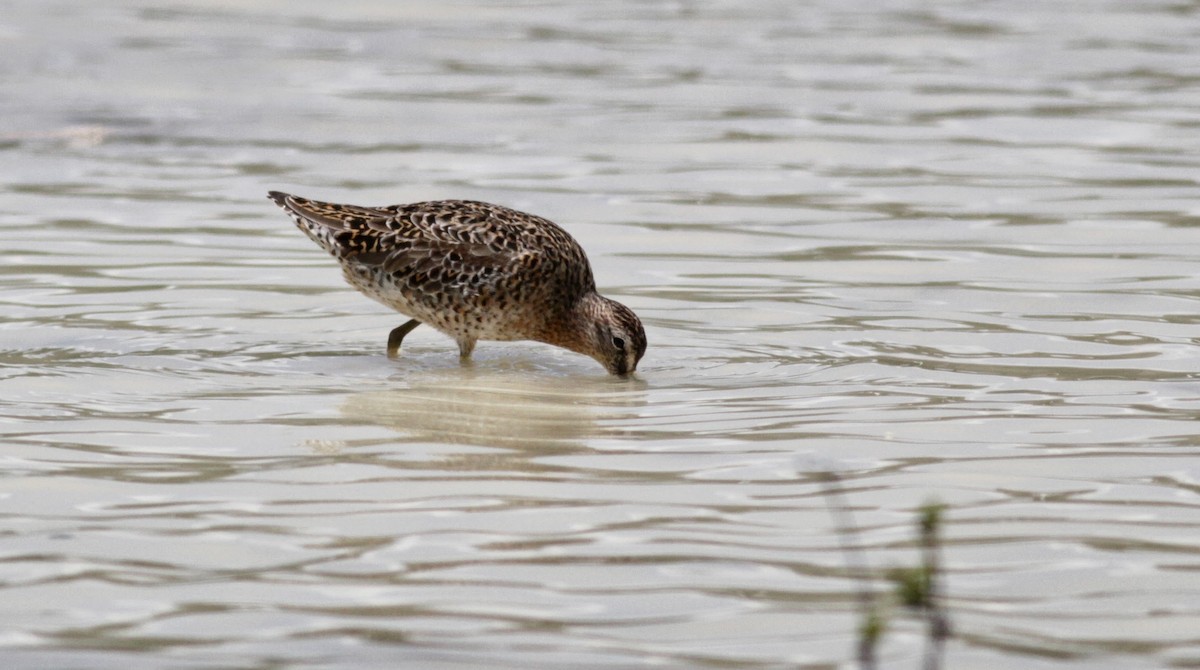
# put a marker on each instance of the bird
(474, 271)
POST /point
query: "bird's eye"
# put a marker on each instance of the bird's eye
(619, 343)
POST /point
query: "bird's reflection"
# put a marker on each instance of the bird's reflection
(496, 408)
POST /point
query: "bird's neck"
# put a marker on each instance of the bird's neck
(572, 327)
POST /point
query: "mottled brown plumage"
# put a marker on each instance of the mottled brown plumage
(474, 271)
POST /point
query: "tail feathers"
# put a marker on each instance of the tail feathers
(320, 229)
(280, 198)
(342, 230)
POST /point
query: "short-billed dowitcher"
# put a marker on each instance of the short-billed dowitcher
(474, 271)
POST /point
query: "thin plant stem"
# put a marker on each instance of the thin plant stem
(937, 624)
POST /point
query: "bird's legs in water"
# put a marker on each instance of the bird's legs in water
(397, 336)
(465, 347)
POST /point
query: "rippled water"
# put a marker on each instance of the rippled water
(946, 250)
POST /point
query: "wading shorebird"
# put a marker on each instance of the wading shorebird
(474, 271)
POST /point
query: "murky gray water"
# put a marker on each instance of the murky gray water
(945, 249)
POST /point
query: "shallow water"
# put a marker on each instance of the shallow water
(946, 251)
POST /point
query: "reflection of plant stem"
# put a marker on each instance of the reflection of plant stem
(872, 620)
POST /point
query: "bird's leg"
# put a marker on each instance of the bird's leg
(397, 336)
(465, 346)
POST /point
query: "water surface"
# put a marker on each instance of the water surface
(946, 251)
